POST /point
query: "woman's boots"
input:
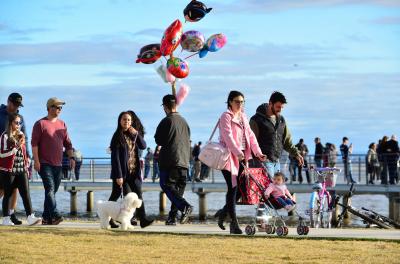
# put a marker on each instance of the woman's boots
(234, 227)
(221, 214)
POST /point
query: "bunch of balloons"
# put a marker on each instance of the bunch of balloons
(191, 41)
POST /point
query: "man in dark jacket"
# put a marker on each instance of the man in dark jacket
(392, 153)
(173, 135)
(302, 147)
(319, 151)
(14, 102)
(346, 150)
(272, 132)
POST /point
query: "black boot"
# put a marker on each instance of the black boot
(221, 214)
(113, 224)
(234, 227)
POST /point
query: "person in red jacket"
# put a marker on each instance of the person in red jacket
(14, 169)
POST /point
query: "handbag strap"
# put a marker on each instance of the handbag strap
(212, 134)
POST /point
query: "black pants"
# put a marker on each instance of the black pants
(77, 169)
(300, 168)
(392, 169)
(231, 194)
(12, 181)
(130, 184)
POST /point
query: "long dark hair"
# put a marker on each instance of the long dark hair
(136, 123)
(233, 94)
(118, 136)
(11, 119)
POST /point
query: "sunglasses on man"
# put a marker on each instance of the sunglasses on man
(57, 107)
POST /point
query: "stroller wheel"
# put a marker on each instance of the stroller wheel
(268, 229)
(300, 230)
(249, 230)
(306, 230)
(286, 229)
(280, 231)
(254, 230)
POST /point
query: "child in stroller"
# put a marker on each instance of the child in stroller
(269, 195)
(278, 194)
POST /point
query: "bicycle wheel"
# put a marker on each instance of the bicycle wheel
(356, 212)
(325, 214)
(314, 206)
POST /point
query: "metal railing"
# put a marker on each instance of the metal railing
(99, 169)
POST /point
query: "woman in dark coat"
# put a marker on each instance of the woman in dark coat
(125, 162)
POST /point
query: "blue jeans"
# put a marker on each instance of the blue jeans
(51, 178)
(318, 163)
(146, 169)
(348, 172)
(173, 183)
(272, 167)
(284, 201)
(156, 170)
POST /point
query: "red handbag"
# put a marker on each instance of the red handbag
(252, 184)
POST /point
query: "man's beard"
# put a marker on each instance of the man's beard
(273, 111)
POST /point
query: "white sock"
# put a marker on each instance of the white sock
(11, 211)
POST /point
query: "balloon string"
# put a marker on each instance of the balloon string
(191, 55)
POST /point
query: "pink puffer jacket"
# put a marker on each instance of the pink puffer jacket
(230, 136)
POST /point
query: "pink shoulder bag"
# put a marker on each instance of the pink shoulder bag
(213, 154)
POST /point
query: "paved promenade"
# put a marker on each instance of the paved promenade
(212, 229)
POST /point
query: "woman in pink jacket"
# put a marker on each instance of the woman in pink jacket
(239, 139)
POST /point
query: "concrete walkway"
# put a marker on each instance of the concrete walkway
(212, 229)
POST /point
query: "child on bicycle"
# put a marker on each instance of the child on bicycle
(278, 190)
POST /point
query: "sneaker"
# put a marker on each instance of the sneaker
(170, 221)
(197, 180)
(146, 222)
(57, 220)
(186, 213)
(7, 221)
(290, 208)
(15, 220)
(33, 220)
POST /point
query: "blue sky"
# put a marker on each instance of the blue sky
(337, 62)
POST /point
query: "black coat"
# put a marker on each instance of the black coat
(173, 135)
(120, 157)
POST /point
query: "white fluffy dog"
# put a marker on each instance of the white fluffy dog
(121, 211)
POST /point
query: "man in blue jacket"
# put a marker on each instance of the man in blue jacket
(14, 102)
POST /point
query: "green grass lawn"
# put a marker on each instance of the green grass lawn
(50, 245)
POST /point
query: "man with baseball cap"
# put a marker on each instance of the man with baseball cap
(14, 102)
(173, 135)
(49, 137)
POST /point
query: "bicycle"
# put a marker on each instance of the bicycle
(370, 217)
(321, 202)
